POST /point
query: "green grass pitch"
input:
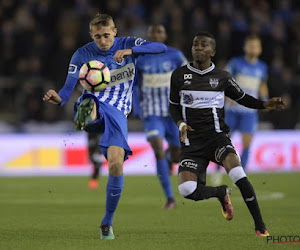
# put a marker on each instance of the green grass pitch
(62, 213)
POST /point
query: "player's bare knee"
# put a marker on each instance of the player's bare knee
(115, 168)
(231, 161)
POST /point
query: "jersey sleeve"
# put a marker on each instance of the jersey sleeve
(75, 65)
(174, 90)
(233, 90)
(174, 107)
(140, 46)
(66, 91)
(72, 77)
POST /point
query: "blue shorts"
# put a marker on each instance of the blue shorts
(164, 127)
(112, 124)
(245, 122)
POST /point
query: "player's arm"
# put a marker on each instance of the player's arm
(231, 68)
(139, 47)
(174, 101)
(136, 97)
(175, 110)
(234, 92)
(65, 93)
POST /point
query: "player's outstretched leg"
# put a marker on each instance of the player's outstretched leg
(114, 188)
(96, 157)
(93, 182)
(113, 194)
(247, 139)
(163, 171)
(189, 188)
(244, 158)
(169, 160)
(239, 177)
(163, 174)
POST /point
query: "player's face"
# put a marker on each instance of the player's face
(202, 49)
(157, 33)
(104, 36)
(253, 48)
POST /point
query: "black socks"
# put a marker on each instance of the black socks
(251, 202)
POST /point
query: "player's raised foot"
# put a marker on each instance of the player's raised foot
(170, 204)
(261, 231)
(83, 114)
(93, 184)
(106, 232)
(226, 206)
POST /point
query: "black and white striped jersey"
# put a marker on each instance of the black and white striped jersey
(199, 95)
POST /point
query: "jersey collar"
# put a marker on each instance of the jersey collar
(201, 72)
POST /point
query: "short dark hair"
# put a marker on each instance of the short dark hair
(207, 34)
(103, 20)
(252, 37)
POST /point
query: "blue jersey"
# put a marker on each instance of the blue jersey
(248, 76)
(119, 91)
(155, 72)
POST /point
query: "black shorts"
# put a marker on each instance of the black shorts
(93, 144)
(196, 157)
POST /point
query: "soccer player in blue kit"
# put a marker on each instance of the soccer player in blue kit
(154, 73)
(106, 111)
(251, 73)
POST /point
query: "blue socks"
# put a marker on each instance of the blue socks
(164, 177)
(244, 158)
(113, 194)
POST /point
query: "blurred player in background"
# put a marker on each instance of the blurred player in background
(105, 112)
(198, 110)
(94, 152)
(154, 72)
(251, 74)
(96, 158)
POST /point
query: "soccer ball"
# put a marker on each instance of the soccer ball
(94, 76)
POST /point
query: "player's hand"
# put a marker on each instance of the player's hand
(52, 97)
(275, 103)
(121, 54)
(183, 132)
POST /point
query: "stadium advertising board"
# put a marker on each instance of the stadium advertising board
(66, 154)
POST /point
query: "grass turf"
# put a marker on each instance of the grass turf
(62, 213)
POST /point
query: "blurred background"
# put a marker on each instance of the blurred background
(38, 38)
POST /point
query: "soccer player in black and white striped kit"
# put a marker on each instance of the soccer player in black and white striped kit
(197, 98)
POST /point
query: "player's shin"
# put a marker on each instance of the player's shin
(113, 194)
(164, 177)
(244, 158)
(239, 177)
